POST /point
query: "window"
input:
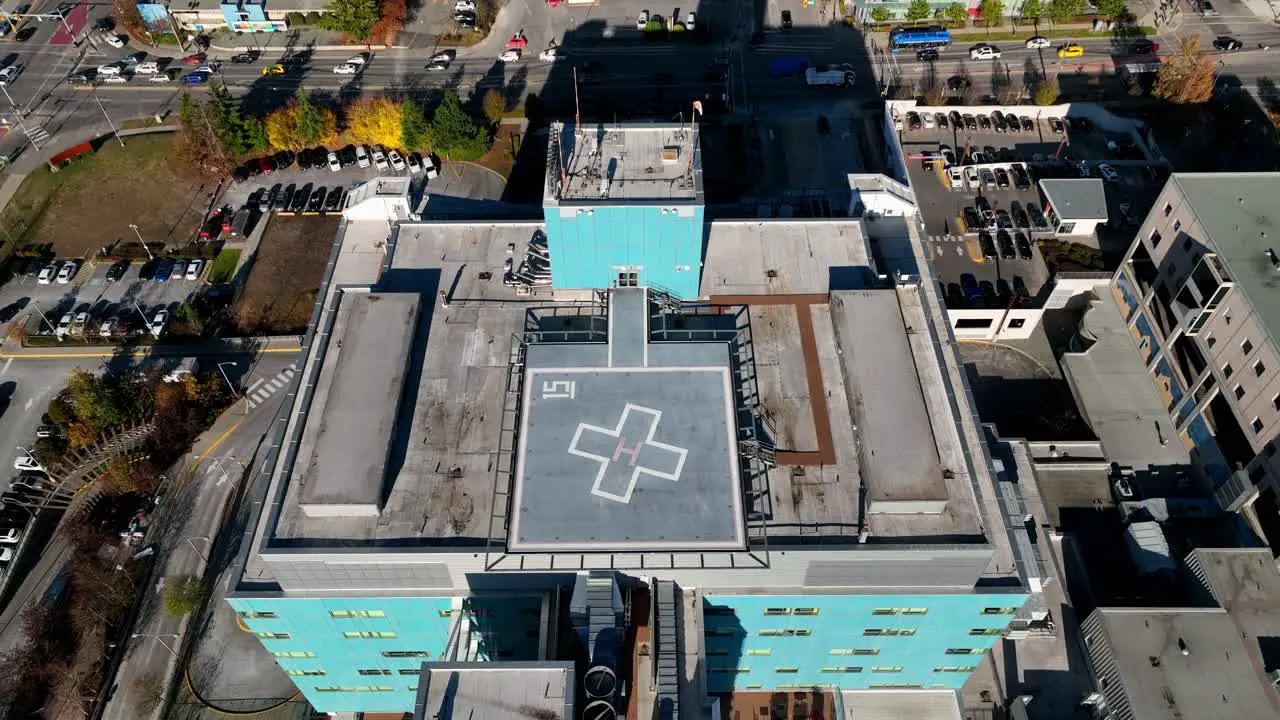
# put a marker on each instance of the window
(711, 653)
(986, 631)
(886, 668)
(874, 632)
(272, 636)
(258, 615)
(777, 611)
(356, 614)
(955, 668)
(785, 633)
(1257, 426)
(354, 688)
(722, 632)
(845, 669)
(305, 673)
(1246, 347)
(365, 635)
(376, 671)
(1168, 208)
(1259, 368)
(897, 686)
(734, 670)
(972, 323)
(628, 279)
(900, 611)
(405, 653)
(1239, 391)
(787, 669)
(1155, 238)
(293, 654)
(1000, 611)
(1016, 323)
(965, 651)
(805, 611)
(760, 651)
(854, 651)
(717, 610)
(1177, 225)
(1211, 341)
(1275, 403)
(408, 671)
(1226, 370)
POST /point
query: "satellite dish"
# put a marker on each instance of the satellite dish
(600, 681)
(599, 710)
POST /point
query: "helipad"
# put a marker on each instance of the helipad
(627, 445)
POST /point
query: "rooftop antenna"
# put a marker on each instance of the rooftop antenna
(1275, 260)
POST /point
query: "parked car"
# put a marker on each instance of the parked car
(64, 325)
(1038, 220)
(281, 200)
(1002, 178)
(1024, 246)
(1108, 173)
(67, 272)
(194, 268)
(380, 158)
(9, 73)
(108, 70)
(147, 68)
(414, 161)
(397, 162)
(1005, 241)
(987, 245)
(164, 269)
(362, 156)
(47, 275)
(334, 164)
(1020, 218)
(1021, 180)
(988, 179)
(10, 535)
(333, 201)
(316, 201)
(26, 462)
(117, 270)
(642, 19)
(158, 322)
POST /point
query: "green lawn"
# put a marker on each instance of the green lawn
(1059, 33)
(224, 266)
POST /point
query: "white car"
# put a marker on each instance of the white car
(362, 156)
(105, 327)
(464, 6)
(207, 69)
(642, 19)
(113, 40)
(357, 59)
(397, 162)
(67, 272)
(379, 158)
(415, 166)
(117, 79)
(10, 536)
(64, 327)
(346, 69)
(159, 79)
(984, 52)
(549, 55)
(334, 163)
(26, 462)
(1108, 173)
(148, 68)
(689, 19)
(78, 322)
(1037, 43)
(948, 155)
(971, 178)
(194, 268)
(47, 274)
(929, 123)
(108, 70)
(9, 74)
(509, 56)
(158, 322)
(955, 178)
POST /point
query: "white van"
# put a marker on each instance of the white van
(148, 68)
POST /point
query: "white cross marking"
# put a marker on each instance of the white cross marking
(632, 454)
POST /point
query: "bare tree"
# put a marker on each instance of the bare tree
(1186, 77)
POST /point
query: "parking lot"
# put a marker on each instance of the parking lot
(977, 188)
(91, 292)
(346, 178)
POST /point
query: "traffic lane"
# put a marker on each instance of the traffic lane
(26, 387)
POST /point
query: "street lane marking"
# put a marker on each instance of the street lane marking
(7, 363)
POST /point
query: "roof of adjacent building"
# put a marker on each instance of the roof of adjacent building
(1076, 198)
(603, 162)
(1115, 393)
(496, 691)
(1187, 663)
(1241, 220)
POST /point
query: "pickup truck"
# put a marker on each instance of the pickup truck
(829, 76)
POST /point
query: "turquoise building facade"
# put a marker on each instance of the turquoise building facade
(366, 653)
(853, 642)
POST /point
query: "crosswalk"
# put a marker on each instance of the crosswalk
(263, 388)
(37, 135)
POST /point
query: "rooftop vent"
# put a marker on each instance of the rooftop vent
(1273, 259)
(671, 153)
(1182, 647)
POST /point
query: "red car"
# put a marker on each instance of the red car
(267, 165)
(197, 59)
(1145, 47)
(518, 41)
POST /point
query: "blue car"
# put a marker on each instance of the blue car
(164, 269)
(195, 78)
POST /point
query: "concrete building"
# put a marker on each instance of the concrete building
(1198, 295)
(240, 16)
(1074, 206)
(1194, 663)
(506, 446)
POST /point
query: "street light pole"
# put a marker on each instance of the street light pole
(42, 315)
(108, 117)
(18, 114)
(231, 387)
(134, 636)
(142, 242)
(193, 546)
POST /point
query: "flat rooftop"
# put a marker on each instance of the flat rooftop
(1116, 394)
(496, 691)
(1214, 678)
(357, 391)
(1239, 215)
(623, 161)
(848, 385)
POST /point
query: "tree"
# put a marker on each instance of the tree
(238, 134)
(1186, 77)
(414, 130)
(355, 18)
(991, 11)
(1061, 11)
(1112, 9)
(1046, 92)
(919, 10)
(301, 124)
(282, 130)
(127, 16)
(1030, 10)
(880, 14)
(93, 400)
(182, 597)
(199, 144)
(455, 133)
(375, 121)
(493, 105)
(956, 13)
(391, 19)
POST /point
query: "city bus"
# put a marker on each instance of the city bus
(919, 38)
